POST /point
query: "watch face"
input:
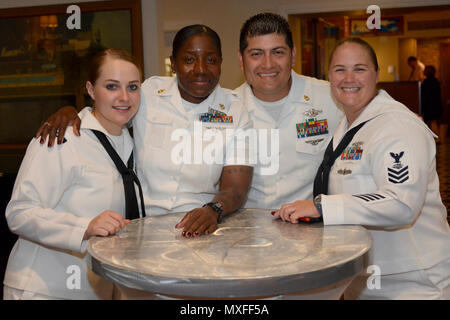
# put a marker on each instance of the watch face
(217, 207)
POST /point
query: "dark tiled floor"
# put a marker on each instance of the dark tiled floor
(443, 169)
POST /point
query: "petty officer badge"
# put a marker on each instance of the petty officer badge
(214, 116)
(312, 125)
(354, 152)
(397, 171)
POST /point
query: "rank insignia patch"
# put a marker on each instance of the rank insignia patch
(397, 172)
(312, 127)
(214, 116)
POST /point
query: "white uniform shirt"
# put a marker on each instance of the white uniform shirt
(171, 184)
(58, 191)
(386, 180)
(300, 152)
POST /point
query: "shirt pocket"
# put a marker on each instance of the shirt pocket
(100, 177)
(104, 184)
(159, 126)
(314, 146)
(309, 152)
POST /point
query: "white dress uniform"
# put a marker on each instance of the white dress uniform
(306, 124)
(58, 191)
(386, 180)
(171, 138)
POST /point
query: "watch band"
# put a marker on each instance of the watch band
(318, 204)
(217, 207)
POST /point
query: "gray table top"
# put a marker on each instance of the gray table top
(250, 254)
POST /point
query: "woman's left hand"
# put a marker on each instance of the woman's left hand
(234, 185)
(291, 212)
(198, 221)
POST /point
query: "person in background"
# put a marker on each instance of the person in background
(206, 191)
(67, 194)
(431, 103)
(379, 171)
(417, 69)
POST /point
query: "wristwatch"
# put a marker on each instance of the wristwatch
(318, 203)
(217, 207)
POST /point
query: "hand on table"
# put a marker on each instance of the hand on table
(198, 221)
(105, 224)
(292, 212)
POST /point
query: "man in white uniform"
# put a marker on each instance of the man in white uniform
(277, 98)
(299, 107)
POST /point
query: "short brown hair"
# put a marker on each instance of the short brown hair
(115, 53)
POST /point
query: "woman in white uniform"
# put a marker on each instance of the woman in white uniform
(176, 118)
(67, 194)
(382, 174)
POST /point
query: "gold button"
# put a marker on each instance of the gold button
(161, 91)
(306, 98)
(222, 106)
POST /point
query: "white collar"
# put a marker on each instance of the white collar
(90, 122)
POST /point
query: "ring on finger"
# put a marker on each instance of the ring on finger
(47, 124)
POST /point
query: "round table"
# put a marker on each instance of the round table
(250, 254)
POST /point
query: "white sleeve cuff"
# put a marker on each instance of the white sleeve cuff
(76, 238)
(332, 209)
